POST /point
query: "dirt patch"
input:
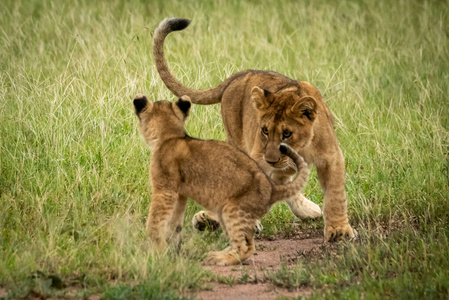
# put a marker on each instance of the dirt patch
(264, 291)
(247, 281)
(268, 257)
(3, 292)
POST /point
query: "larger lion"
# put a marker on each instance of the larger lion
(261, 110)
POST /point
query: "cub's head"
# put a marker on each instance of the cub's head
(283, 117)
(161, 120)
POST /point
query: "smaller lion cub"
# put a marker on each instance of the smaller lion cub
(218, 176)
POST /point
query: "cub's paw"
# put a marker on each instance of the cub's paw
(202, 220)
(303, 208)
(221, 258)
(258, 227)
(334, 233)
(311, 210)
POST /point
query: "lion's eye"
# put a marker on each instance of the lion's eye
(265, 130)
(286, 134)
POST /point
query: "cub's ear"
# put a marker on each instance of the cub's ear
(184, 104)
(261, 98)
(305, 108)
(140, 103)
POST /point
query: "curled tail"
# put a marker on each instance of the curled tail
(209, 96)
(284, 191)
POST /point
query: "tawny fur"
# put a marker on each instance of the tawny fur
(215, 174)
(262, 109)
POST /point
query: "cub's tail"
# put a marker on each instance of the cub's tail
(282, 192)
(209, 96)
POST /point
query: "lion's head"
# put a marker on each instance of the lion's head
(161, 119)
(283, 117)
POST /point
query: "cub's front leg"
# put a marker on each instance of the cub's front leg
(162, 207)
(205, 219)
(300, 206)
(332, 178)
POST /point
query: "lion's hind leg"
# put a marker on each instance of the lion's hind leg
(161, 210)
(174, 226)
(239, 227)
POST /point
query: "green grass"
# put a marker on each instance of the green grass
(74, 172)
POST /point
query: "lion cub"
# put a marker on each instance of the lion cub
(218, 176)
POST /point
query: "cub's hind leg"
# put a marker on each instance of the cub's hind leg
(175, 222)
(161, 210)
(239, 226)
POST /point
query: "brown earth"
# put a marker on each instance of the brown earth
(247, 281)
(263, 291)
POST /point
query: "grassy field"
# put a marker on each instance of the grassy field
(74, 172)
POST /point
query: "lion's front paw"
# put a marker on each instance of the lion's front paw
(303, 208)
(202, 220)
(334, 233)
(258, 227)
(221, 258)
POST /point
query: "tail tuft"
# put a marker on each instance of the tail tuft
(284, 191)
(176, 24)
(283, 148)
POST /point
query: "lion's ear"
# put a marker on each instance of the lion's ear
(183, 104)
(305, 108)
(260, 98)
(140, 103)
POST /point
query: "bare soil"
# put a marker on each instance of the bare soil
(247, 281)
(264, 291)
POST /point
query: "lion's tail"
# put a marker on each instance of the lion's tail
(282, 192)
(209, 96)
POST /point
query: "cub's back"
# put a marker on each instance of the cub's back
(216, 169)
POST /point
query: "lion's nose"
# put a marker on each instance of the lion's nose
(272, 154)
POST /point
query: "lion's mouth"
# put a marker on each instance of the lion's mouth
(284, 165)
